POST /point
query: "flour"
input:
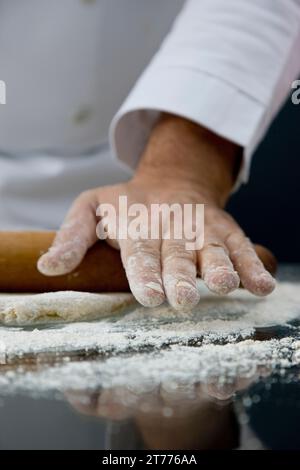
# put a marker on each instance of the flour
(152, 346)
(215, 320)
(178, 366)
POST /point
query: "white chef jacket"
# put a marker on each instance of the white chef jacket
(69, 65)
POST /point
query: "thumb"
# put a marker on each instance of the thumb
(76, 235)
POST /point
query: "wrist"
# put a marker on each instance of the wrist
(180, 151)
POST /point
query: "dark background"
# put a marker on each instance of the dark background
(267, 207)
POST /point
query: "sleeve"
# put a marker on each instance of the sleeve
(227, 65)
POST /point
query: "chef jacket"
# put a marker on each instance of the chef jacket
(86, 81)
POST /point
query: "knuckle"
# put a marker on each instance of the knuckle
(236, 238)
(177, 253)
(214, 246)
(140, 248)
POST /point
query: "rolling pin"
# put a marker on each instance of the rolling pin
(100, 271)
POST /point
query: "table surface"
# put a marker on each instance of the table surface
(262, 412)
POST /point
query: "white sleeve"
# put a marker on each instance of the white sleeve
(226, 64)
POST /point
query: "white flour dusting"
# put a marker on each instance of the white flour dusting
(220, 327)
(214, 320)
(145, 372)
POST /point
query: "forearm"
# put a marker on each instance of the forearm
(226, 65)
(182, 151)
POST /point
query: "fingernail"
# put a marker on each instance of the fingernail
(262, 284)
(187, 295)
(221, 280)
(150, 294)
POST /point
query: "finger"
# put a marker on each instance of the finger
(216, 269)
(141, 261)
(267, 258)
(220, 391)
(76, 235)
(179, 274)
(252, 272)
(85, 403)
(114, 404)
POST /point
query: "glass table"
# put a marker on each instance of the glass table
(261, 411)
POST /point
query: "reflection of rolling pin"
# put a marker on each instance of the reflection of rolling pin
(100, 271)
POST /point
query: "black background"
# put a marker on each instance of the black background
(267, 207)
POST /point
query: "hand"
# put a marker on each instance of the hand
(182, 163)
(194, 420)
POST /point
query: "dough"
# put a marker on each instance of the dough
(66, 306)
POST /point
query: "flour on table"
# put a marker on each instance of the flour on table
(216, 320)
(146, 347)
(171, 368)
(65, 306)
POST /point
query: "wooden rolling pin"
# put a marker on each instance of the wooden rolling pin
(100, 271)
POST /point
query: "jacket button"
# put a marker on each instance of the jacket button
(83, 115)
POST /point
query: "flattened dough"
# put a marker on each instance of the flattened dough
(65, 306)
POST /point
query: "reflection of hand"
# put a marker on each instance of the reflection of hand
(172, 417)
(223, 392)
(171, 400)
(183, 163)
(120, 402)
(114, 404)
